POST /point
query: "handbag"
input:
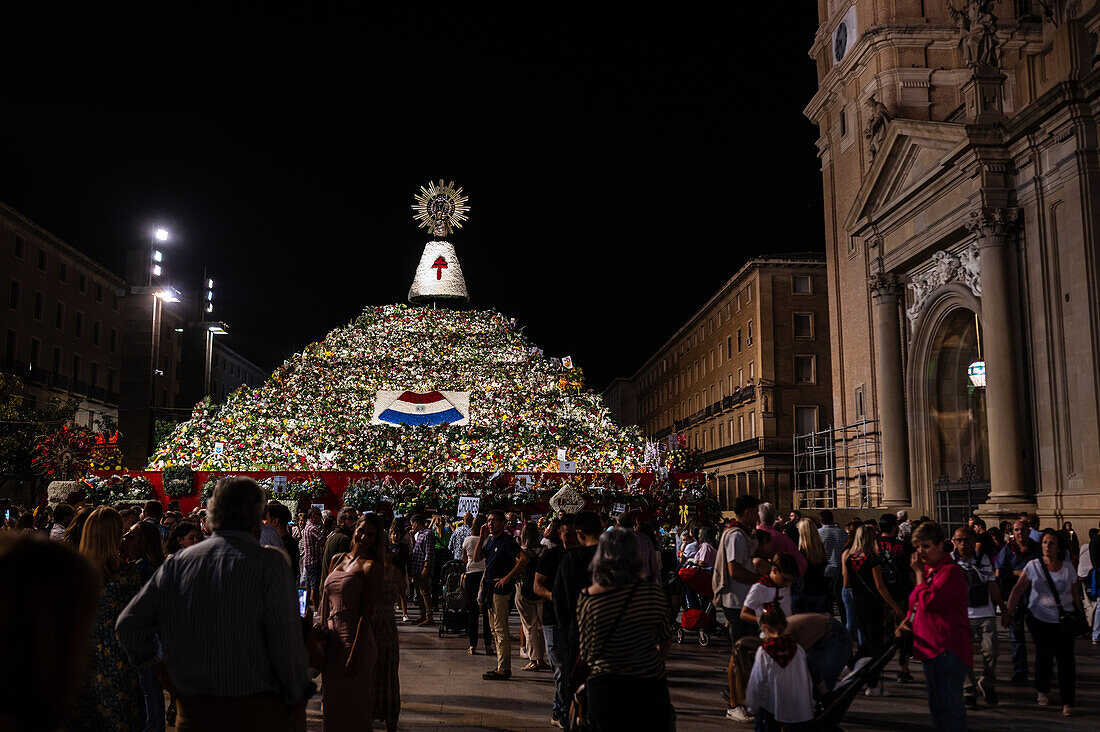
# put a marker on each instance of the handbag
(578, 709)
(1071, 621)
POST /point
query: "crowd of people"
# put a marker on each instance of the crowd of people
(230, 613)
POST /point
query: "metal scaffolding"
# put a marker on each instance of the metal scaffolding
(838, 467)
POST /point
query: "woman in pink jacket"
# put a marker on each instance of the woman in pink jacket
(940, 627)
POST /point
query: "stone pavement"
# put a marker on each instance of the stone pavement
(442, 688)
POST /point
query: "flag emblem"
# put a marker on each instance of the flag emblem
(421, 408)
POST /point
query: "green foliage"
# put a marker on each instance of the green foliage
(21, 427)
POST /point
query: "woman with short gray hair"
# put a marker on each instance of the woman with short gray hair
(625, 626)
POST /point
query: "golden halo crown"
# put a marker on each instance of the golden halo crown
(440, 208)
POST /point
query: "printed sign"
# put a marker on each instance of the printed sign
(278, 484)
(617, 508)
(562, 454)
(468, 504)
(567, 466)
(567, 362)
(219, 448)
(526, 481)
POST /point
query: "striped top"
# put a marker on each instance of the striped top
(632, 650)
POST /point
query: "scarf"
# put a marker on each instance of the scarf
(782, 649)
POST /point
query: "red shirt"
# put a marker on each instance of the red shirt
(782, 543)
(940, 622)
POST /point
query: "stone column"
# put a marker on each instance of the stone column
(996, 234)
(886, 292)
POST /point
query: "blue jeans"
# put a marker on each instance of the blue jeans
(1017, 643)
(850, 614)
(154, 700)
(1096, 623)
(944, 675)
(555, 651)
(828, 657)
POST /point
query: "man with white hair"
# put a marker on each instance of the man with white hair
(905, 529)
(780, 541)
(219, 622)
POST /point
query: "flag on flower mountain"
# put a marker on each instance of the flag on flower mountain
(421, 408)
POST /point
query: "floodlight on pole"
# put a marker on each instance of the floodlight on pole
(168, 294)
(161, 234)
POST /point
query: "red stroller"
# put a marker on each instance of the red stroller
(695, 620)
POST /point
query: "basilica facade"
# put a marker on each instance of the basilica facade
(959, 154)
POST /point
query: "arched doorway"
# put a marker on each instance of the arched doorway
(956, 400)
(948, 430)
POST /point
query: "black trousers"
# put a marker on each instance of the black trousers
(473, 610)
(1054, 644)
(870, 615)
(628, 703)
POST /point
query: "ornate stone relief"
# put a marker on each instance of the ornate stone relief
(947, 267)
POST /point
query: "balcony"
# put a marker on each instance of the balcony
(43, 377)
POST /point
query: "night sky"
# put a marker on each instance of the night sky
(617, 175)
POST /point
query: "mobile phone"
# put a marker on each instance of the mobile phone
(303, 604)
(7, 514)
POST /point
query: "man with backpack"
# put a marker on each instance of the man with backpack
(894, 555)
(982, 595)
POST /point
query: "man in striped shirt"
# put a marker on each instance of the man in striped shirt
(312, 548)
(420, 566)
(219, 621)
(834, 538)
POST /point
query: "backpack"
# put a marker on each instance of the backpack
(977, 591)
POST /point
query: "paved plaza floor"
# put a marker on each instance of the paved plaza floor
(442, 688)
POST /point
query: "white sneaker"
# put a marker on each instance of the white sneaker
(738, 714)
(406, 619)
(877, 691)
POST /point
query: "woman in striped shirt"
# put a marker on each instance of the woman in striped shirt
(625, 626)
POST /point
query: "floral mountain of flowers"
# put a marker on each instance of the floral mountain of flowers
(314, 413)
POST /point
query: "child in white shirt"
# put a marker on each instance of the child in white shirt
(780, 693)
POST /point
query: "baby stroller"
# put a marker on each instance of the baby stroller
(454, 598)
(833, 706)
(699, 611)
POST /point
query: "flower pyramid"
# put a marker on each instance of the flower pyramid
(314, 413)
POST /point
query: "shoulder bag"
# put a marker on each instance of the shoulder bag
(1071, 621)
(578, 709)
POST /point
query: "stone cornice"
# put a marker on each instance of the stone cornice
(888, 36)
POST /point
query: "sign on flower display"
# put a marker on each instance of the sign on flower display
(421, 408)
(377, 395)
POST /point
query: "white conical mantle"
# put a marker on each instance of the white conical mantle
(439, 275)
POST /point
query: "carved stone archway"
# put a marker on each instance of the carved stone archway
(939, 306)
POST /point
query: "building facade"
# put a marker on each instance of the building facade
(959, 156)
(73, 328)
(62, 323)
(742, 376)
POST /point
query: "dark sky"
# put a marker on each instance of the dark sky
(617, 175)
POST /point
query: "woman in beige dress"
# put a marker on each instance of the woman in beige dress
(352, 590)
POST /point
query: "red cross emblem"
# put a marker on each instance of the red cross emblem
(439, 266)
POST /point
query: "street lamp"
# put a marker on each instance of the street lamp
(213, 329)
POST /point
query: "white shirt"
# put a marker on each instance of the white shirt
(760, 595)
(785, 692)
(984, 567)
(468, 546)
(1041, 602)
(738, 551)
(1084, 563)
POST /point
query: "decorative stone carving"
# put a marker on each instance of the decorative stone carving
(876, 125)
(884, 284)
(993, 224)
(978, 26)
(964, 266)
